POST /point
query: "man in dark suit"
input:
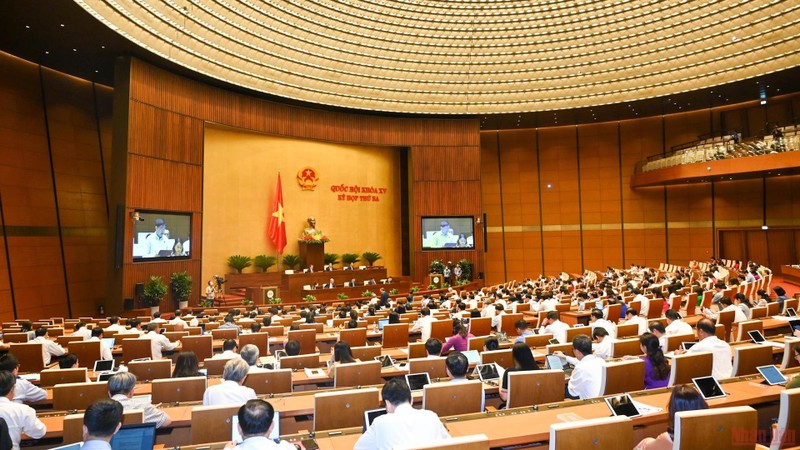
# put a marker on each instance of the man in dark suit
(384, 298)
(329, 285)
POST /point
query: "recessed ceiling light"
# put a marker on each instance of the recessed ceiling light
(28, 27)
(62, 24)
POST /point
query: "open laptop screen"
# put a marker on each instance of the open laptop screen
(371, 415)
(382, 323)
(140, 436)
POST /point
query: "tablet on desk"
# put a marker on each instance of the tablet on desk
(488, 372)
(687, 345)
(371, 415)
(622, 405)
(554, 362)
(386, 360)
(109, 342)
(553, 341)
(417, 381)
(772, 375)
(791, 312)
(473, 357)
(756, 336)
(709, 387)
(382, 323)
(103, 365)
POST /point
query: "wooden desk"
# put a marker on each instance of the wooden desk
(573, 318)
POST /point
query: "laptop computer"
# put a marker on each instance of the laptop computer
(382, 323)
(386, 360)
(371, 415)
(709, 387)
(772, 376)
(139, 436)
(473, 356)
(687, 345)
(622, 405)
(109, 342)
(104, 376)
(103, 365)
(791, 312)
(275, 435)
(417, 381)
(759, 338)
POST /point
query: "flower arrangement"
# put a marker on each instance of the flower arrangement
(316, 238)
(309, 298)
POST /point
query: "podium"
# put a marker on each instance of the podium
(312, 254)
(436, 279)
(261, 295)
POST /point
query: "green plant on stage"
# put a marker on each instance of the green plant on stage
(349, 258)
(264, 262)
(462, 282)
(370, 257)
(180, 284)
(331, 258)
(205, 304)
(291, 261)
(436, 266)
(239, 262)
(309, 298)
(431, 287)
(413, 289)
(341, 296)
(367, 293)
(247, 302)
(154, 291)
(445, 285)
(274, 301)
(394, 292)
(466, 269)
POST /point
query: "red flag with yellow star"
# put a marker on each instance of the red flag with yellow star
(277, 226)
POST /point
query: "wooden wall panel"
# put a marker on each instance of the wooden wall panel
(446, 163)
(783, 200)
(166, 135)
(491, 199)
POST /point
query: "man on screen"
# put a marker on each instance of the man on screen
(157, 240)
(443, 236)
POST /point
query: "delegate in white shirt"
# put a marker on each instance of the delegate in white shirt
(21, 419)
(226, 393)
(406, 426)
(585, 379)
(722, 366)
(558, 329)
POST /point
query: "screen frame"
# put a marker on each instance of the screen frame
(696, 382)
(764, 370)
(410, 376)
(447, 217)
(620, 412)
(139, 259)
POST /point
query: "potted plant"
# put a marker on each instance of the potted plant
(394, 292)
(264, 262)
(466, 269)
(309, 298)
(331, 258)
(239, 262)
(274, 301)
(413, 289)
(367, 293)
(291, 261)
(437, 266)
(370, 257)
(247, 302)
(154, 291)
(341, 296)
(349, 258)
(180, 284)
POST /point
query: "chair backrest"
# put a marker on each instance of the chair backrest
(564, 348)
(316, 327)
(306, 338)
(471, 442)
(52, 377)
(151, 370)
(202, 346)
(690, 365)
(747, 357)
(225, 333)
(785, 435)
(270, 381)
(395, 335)
(29, 356)
(572, 332)
(260, 340)
(480, 326)
(655, 309)
(442, 329)
(627, 330)
(535, 387)
(273, 330)
(507, 322)
(674, 341)
(64, 341)
(691, 304)
(623, 347)
(717, 428)
(300, 361)
(450, 399)
(215, 366)
(87, 351)
(78, 395)
(357, 374)
(788, 303)
(476, 343)
(749, 325)
(725, 318)
(175, 336)
(537, 340)
(773, 308)
(136, 348)
(15, 338)
(503, 358)
(356, 337)
(758, 312)
(366, 352)
(343, 409)
(607, 432)
(168, 390)
(73, 424)
(789, 360)
(622, 376)
(212, 423)
(435, 367)
(416, 350)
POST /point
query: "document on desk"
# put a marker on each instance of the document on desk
(315, 373)
(646, 409)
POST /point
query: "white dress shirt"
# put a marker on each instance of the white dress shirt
(641, 322)
(227, 354)
(96, 444)
(423, 325)
(84, 332)
(105, 352)
(151, 413)
(549, 304)
(226, 393)
(262, 442)
(678, 326)
(604, 349)
(585, 379)
(116, 328)
(21, 419)
(26, 392)
(645, 304)
(607, 325)
(159, 343)
(558, 329)
(178, 321)
(406, 426)
(49, 349)
(738, 314)
(722, 366)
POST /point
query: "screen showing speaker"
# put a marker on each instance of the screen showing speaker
(448, 232)
(160, 235)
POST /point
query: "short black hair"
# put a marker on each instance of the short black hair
(433, 346)
(152, 326)
(779, 291)
(229, 344)
(396, 391)
(599, 332)
(41, 331)
(583, 344)
(521, 324)
(292, 347)
(8, 362)
(97, 332)
(632, 311)
(553, 315)
(657, 326)
(725, 301)
(671, 314)
(113, 320)
(457, 364)
(255, 417)
(597, 313)
(102, 417)
(491, 343)
(67, 361)
(7, 382)
(707, 325)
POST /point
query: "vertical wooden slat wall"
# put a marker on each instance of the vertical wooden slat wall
(163, 148)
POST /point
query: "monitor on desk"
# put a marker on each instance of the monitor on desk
(139, 436)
